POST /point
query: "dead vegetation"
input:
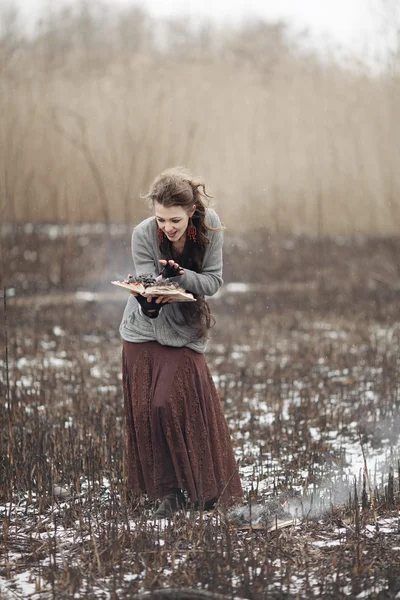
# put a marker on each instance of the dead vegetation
(99, 102)
(309, 379)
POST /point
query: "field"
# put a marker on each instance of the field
(306, 357)
(301, 152)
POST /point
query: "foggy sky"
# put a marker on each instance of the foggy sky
(357, 26)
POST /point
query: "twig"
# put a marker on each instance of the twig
(20, 565)
(9, 590)
(367, 477)
(6, 349)
(181, 594)
(392, 283)
(226, 485)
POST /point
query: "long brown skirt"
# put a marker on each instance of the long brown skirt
(177, 435)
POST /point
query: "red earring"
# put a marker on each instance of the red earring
(192, 231)
(161, 235)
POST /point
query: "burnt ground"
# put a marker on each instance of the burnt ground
(305, 354)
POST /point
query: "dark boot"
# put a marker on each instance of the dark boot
(170, 504)
(210, 504)
(205, 505)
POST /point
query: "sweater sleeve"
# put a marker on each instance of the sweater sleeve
(144, 265)
(141, 254)
(210, 279)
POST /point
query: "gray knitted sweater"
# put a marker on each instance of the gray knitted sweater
(170, 327)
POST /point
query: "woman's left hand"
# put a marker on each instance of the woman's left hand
(171, 269)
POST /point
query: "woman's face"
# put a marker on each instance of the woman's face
(173, 220)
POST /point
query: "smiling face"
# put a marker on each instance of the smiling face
(173, 220)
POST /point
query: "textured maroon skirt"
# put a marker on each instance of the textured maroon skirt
(177, 435)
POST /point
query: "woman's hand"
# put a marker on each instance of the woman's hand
(157, 300)
(171, 269)
(160, 299)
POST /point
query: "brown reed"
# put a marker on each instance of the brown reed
(92, 108)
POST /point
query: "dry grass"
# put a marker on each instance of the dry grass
(307, 367)
(92, 109)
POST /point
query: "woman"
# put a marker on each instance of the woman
(178, 438)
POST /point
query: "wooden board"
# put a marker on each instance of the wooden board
(179, 295)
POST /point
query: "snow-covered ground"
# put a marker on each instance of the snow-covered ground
(312, 401)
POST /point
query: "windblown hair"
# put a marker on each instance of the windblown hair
(177, 187)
